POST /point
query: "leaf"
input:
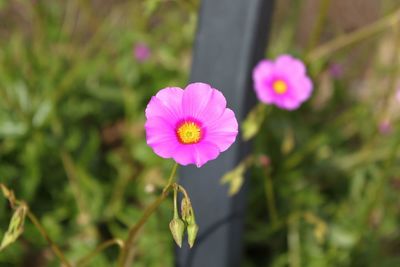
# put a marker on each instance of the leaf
(16, 227)
(6, 192)
(288, 142)
(42, 113)
(234, 178)
(251, 125)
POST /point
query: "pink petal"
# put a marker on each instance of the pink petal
(222, 133)
(166, 103)
(288, 101)
(197, 154)
(161, 137)
(304, 88)
(290, 66)
(262, 74)
(202, 102)
(184, 154)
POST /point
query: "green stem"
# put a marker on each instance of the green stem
(85, 260)
(354, 37)
(176, 213)
(294, 241)
(171, 176)
(71, 173)
(317, 30)
(56, 250)
(269, 191)
(126, 255)
(15, 202)
(395, 71)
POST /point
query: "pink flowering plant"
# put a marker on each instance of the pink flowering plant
(191, 126)
(89, 131)
(283, 83)
(141, 52)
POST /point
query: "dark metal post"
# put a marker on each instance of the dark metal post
(231, 38)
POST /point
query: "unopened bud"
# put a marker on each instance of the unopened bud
(192, 230)
(177, 227)
(264, 160)
(186, 209)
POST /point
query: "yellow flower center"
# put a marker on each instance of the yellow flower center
(279, 86)
(189, 133)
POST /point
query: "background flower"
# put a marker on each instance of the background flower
(192, 126)
(282, 82)
(141, 52)
(336, 70)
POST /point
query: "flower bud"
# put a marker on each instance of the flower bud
(192, 230)
(186, 209)
(177, 227)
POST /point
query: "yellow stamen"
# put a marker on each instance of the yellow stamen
(279, 86)
(189, 133)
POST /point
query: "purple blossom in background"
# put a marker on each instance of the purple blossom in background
(336, 70)
(385, 127)
(141, 52)
(283, 82)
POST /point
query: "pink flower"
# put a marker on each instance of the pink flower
(192, 126)
(385, 127)
(336, 70)
(282, 82)
(142, 52)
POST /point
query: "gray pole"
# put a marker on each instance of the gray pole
(231, 38)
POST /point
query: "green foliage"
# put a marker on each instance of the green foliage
(334, 164)
(72, 99)
(72, 143)
(15, 228)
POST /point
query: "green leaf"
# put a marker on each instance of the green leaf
(15, 228)
(234, 178)
(251, 125)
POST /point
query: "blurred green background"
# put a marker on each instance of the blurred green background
(76, 75)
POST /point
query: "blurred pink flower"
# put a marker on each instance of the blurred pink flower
(385, 127)
(336, 70)
(142, 52)
(192, 126)
(282, 82)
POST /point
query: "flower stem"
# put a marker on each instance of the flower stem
(53, 246)
(126, 255)
(15, 202)
(176, 213)
(319, 24)
(85, 260)
(269, 191)
(171, 176)
(354, 37)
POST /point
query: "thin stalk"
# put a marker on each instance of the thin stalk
(126, 255)
(176, 214)
(171, 176)
(56, 250)
(9, 194)
(317, 30)
(85, 260)
(269, 191)
(294, 241)
(71, 173)
(354, 37)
